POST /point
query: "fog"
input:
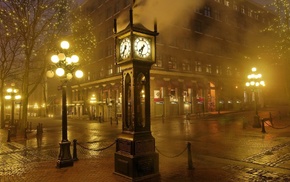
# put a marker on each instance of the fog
(166, 13)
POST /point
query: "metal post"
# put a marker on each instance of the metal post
(8, 137)
(75, 157)
(64, 157)
(189, 156)
(256, 123)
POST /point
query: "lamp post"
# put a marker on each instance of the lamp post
(254, 82)
(65, 67)
(12, 95)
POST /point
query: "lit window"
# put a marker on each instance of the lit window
(110, 69)
(229, 71)
(172, 63)
(243, 9)
(198, 66)
(227, 3)
(208, 68)
(185, 65)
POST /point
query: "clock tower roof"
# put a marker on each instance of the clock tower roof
(138, 27)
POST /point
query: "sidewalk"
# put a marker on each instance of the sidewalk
(226, 152)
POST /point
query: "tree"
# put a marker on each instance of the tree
(276, 46)
(9, 58)
(39, 25)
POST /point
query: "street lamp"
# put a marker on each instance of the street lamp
(254, 82)
(12, 95)
(65, 68)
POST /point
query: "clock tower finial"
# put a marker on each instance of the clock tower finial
(131, 17)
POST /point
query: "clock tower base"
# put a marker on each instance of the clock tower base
(136, 158)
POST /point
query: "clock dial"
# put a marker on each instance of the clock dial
(125, 48)
(142, 47)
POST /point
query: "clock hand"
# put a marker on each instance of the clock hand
(125, 47)
(141, 49)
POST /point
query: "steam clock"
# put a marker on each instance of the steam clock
(135, 156)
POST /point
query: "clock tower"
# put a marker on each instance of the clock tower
(135, 156)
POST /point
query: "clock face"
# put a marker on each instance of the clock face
(142, 47)
(125, 48)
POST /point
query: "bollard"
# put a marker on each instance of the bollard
(30, 127)
(111, 120)
(280, 117)
(75, 157)
(117, 120)
(189, 156)
(8, 137)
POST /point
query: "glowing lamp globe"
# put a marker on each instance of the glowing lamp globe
(54, 59)
(50, 74)
(69, 76)
(64, 44)
(59, 71)
(79, 74)
(75, 58)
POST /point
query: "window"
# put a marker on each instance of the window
(229, 71)
(218, 70)
(250, 13)
(101, 74)
(217, 15)
(173, 96)
(235, 6)
(110, 69)
(227, 2)
(207, 11)
(119, 70)
(185, 65)
(256, 16)
(243, 9)
(208, 68)
(217, 1)
(198, 66)
(198, 26)
(172, 63)
(159, 61)
(89, 76)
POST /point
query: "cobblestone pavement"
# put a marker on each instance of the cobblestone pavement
(226, 151)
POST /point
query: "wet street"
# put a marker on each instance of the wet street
(224, 146)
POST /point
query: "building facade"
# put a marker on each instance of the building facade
(199, 65)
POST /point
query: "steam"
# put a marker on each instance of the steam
(166, 13)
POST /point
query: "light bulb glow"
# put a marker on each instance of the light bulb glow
(79, 74)
(64, 44)
(59, 71)
(75, 58)
(54, 59)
